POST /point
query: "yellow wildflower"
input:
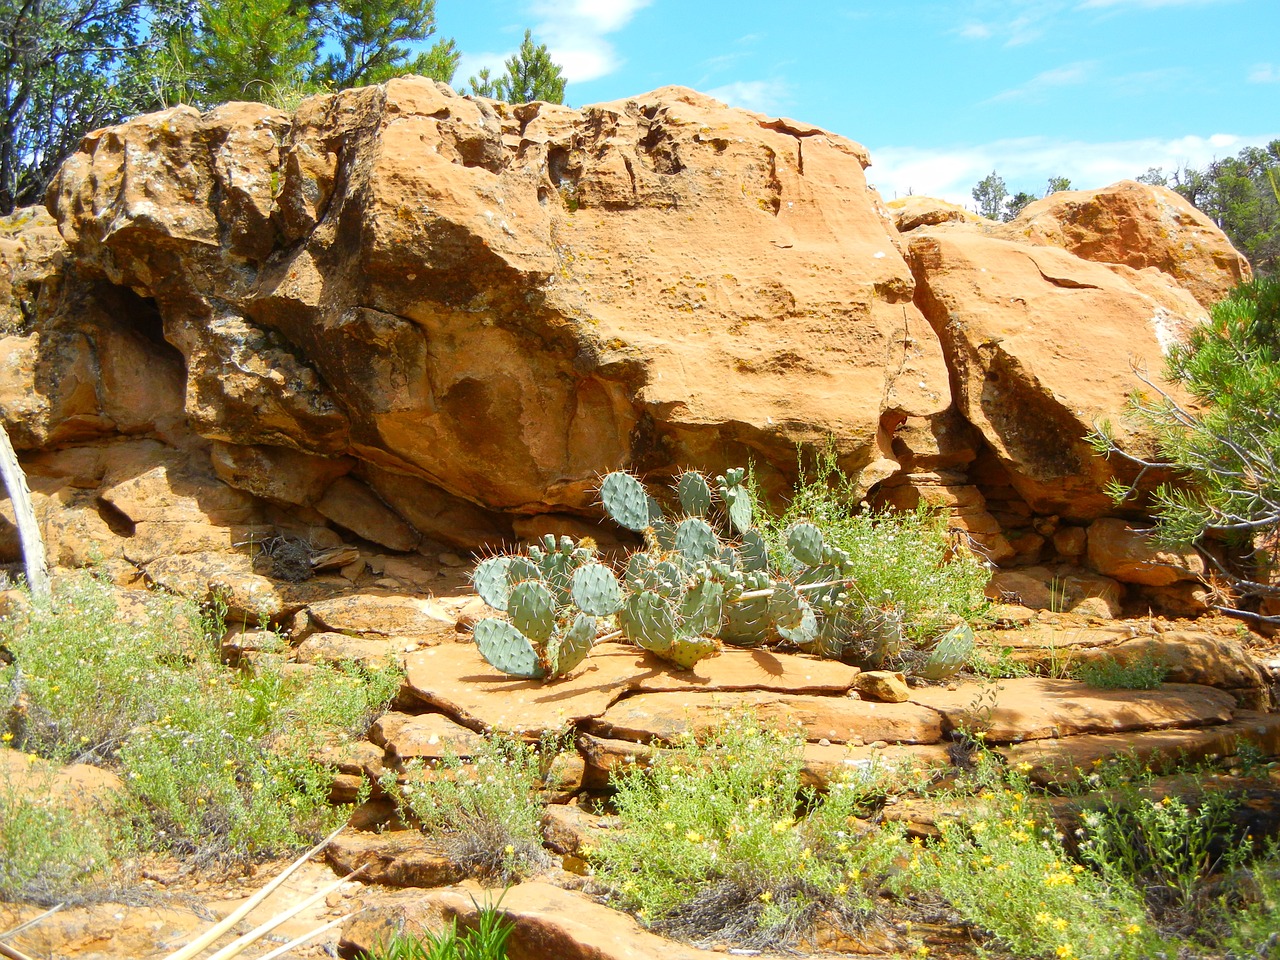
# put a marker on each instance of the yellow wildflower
(1065, 951)
(693, 836)
(766, 896)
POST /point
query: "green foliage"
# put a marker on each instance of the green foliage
(989, 193)
(1004, 869)
(483, 810)
(531, 75)
(216, 762)
(715, 842)
(66, 67)
(486, 942)
(1227, 449)
(1168, 847)
(375, 37)
(48, 850)
(995, 202)
(905, 562)
(1107, 673)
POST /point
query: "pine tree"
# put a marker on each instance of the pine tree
(531, 75)
(989, 194)
(1227, 449)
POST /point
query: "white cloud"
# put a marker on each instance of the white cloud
(1264, 73)
(762, 96)
(1027, 163)
(575, 33)
(1066, 76)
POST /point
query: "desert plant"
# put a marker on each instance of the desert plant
(720, 840)
(487, 941)
(1003, 867)
(1145, 672)
(483, 810)
(1167, 847)
(48, 850)
(1225, 450)
(216, 762)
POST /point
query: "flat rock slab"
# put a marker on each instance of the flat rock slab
(427, 736)
(547, 922)
(386, 615)
(334, 648)
(838, 719)
(1057, 761)
(455, 679)
(1191, 656)
(1035, 708)
(822, 763)
(399, 858)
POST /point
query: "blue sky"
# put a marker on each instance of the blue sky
(940, 92)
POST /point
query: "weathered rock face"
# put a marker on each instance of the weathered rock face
(1040, 345)
(1139, 226)
(508, 301)
(415, 317)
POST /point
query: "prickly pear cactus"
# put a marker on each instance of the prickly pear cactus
(737, 498)
(694, 493)
(508, 650)
(627, 502)
(805, 543)
(565, 651)
(747, 618)
(551, 595)
(696, 541)
(950, 654)
(680, 629)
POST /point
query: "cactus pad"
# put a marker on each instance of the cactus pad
(533, 610)
(648, 620)
(596, 590)
(696, 541)
(685, 652)
(737, 498)
(508, 650)
(490, 581)
(694, 493)
(950, 654)
(701, 608)
(805, 543)
(566, 652)
(627, 502)
(754, 553)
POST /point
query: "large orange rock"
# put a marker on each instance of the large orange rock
(1040, 344)
(1138, 225)
(507, 301)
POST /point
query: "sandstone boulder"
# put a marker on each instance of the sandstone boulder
(1127, 553)
(504, 302)
(1138, 225)
(1040, 344)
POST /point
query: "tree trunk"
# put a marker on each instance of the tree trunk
(15, 482)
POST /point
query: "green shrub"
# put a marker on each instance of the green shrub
(488, 941)
(906, 561)
(1107, 673)
(484, 812)
(1225, 451)
(1005, 870)
(48, 851)
(719, 840)
(1166, 847)
(216, 761)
